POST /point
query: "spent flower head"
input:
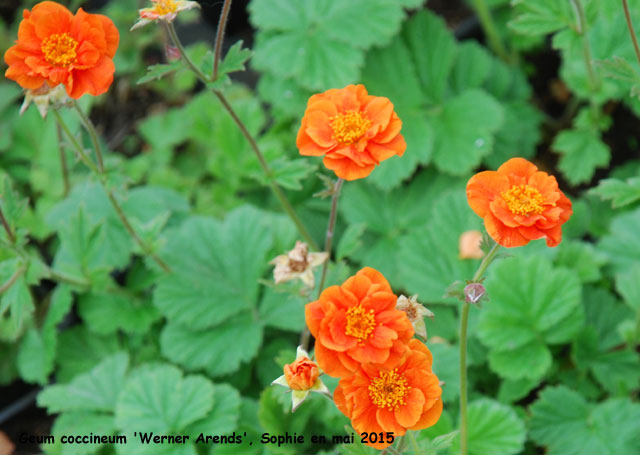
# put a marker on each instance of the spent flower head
(297, 263)
(301, 377)
(416, 312)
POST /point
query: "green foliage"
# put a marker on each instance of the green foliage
(567, 424)
(533, 304)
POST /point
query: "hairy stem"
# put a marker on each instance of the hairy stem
(464, 320)
(490, 29)
(328, 241)
(114, 202)
(250, 139)
(74, 142)
(7, 228)
(11, 281)
(594, 82)
(63, 162)
(91, 129)
(632, 32)
(222, 25)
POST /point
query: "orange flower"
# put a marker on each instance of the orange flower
(519, 203)
(353, 130)
(357, 322)
(406, 397)
(56, 47)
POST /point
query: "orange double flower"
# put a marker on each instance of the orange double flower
(386, 381)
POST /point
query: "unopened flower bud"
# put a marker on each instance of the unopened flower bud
(473, 292)
(301, 377)
(469, 245)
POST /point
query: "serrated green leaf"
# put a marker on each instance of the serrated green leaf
(493, 428)
(567, 425)
(96, 390)
(620, 192)
(465, 131)
(622, 243)
(159, 71)
(628, 285)
(540, 17)
(216, 266)
(581, 257)
(582, 152)
(223, 417)
(282, 310)
(619, 68)
(215, 350)
(350, 240)
(105, 312)
(430, 253)
(159, 399)
(446, 363)
(532, 304)
(289, 173)
(235, 59)
(80, 350)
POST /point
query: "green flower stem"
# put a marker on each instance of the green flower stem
(328, 241)
(63, 162)
(74, 142)
(594, 82)
(7, 228)
(11, 281)
(222, 25)
(252, 142)
(114, 202)
(91, 129)
(490, 30)
(414, 444)
(632, 32)
(464, 320)
(64, 278)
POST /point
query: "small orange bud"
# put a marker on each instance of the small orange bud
(469, 245)
(301, 374)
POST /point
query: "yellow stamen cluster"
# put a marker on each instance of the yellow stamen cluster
(389, 390)
(349, 127)
(524, 200)
(59, 49)
(163, 7)
(360, 323)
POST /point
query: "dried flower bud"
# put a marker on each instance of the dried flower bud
(172, 53)
(473, 292)
(301, 377)
(416, 313)
(297, 263)
(469, 245)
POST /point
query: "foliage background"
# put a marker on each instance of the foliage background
(554, 354)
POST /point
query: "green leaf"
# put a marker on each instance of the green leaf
(430, 254)
(159, 71)
(235, 59)
(514, 390)
(605, 313)
(628, 286)
(540, 17)
(619, 68)
(582, 152)
(159, 399)
(16, 300)
(583, 258)
(105, 312)
(567, 425)
(305, 40)
(493, 428)
(620, 192)
(282, 310)
(215, 350)
(80, 350)
(617, 370)
(80, 423)
(532, 304)
(38, 347)
(289, 173)
(446, 363)
(350, 240)
(12, 205)
(465, 131)
(223, 417)
(622, 243)
(216, 268)
(96, 390)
